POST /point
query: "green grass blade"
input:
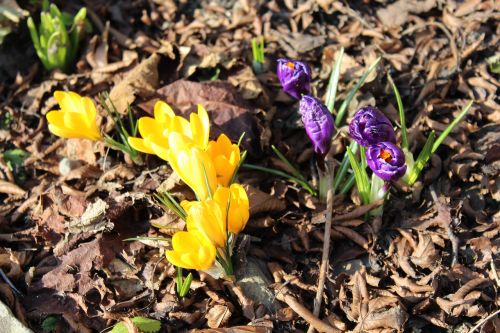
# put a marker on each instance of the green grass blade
(280, 173)
(422, 159)
(350, 96)
(402, 118)
(450, 127)
(296, 173)
(186, 285)
(334, 81)
(348, 184)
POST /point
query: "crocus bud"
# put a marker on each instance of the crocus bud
(370, 126)
(386, 160)
(295, 77)
(318, 123)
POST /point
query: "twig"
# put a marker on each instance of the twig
(482, 322)
(303, 312)
(324, 258)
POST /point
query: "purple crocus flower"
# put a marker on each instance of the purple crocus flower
(295, 77)
(370, 126)
(386, 160)
(318, 123)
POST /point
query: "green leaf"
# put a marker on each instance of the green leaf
(145, 325)
(334, 81)
(422, 159)
(14, 158)
(49, 323)
(35, 38)
(350, 96)
(344, 166)
(361, 178)
(450, 127)
(402, 118)
(178, 280)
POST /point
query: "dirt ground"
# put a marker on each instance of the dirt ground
(430, 264)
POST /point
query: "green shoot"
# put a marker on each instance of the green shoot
(402, 118)
(56, 40)
(361, 178)
(258, 54)
(122, 131)
(350, 96)
(280, 173)
(334, 81)
(182, 285)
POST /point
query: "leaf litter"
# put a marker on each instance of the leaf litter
(430, 265)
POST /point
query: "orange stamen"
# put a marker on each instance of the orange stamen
(291, 65)
(385, 155)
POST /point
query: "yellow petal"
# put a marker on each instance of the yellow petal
(163, 112)
(69, 101)
(192, 165)
(148, 126)
(57, 125)
(207, 218)
(205, 122)
(191, 250)
(138, 144)
(200, 127)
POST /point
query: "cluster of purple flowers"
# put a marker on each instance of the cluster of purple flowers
(369, 127)
(295, 78)
(372, 129)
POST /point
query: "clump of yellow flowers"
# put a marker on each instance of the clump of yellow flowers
(221, 210)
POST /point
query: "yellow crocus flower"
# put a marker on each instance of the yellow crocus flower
(239, 207)
(211, 216)
(76, 119)
(226, 157)
(155, 131)
(192, 164)
(191, 250)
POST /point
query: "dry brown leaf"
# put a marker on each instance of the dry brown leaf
(261, 202)
(217, 316)
(142, 81)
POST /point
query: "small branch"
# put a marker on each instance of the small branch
(482, 322)
(324, 258)
(283, 295)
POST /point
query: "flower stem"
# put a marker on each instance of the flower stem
(325, 180)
